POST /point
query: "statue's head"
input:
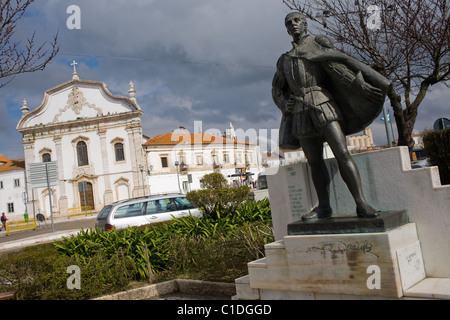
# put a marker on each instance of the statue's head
(296, 25)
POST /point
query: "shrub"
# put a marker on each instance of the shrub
(135, 243)
(217, 196)
(437, 147)
(221, 257)
(223, 220)
(39, 272)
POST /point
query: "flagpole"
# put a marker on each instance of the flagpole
(392, 129)
(388, 132)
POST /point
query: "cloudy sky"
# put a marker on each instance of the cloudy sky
(190, 60)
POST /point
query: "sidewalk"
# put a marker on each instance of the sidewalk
(46, 234)
(43, 238)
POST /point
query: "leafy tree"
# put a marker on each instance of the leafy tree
(406, 41)
(217, 195)
(14, 57)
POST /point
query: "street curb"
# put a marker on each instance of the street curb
(18, 244)
(194, 287)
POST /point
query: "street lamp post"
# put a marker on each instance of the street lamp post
(178, 177)
(141, 168)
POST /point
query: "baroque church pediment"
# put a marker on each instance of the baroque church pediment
(75, 104)
(77, 100)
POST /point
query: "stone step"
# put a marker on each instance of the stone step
(275, 253)
(430, 288)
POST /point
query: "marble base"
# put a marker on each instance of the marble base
(382, 264)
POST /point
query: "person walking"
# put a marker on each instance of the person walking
(4, 219)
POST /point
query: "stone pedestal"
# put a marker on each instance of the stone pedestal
(376, 258)
(339, 224)
(352, 265)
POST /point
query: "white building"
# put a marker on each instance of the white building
(96, 140)
(177, 161)
(12, 187)
(362, 141)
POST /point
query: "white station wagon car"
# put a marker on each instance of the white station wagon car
(144, 210)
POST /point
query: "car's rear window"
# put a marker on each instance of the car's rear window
(104, 212)
(183, 203)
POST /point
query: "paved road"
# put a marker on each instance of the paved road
(62, 227)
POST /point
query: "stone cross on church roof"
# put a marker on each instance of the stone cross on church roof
(75, 74)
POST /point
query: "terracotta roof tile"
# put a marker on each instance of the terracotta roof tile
(13, 165)
(190, 138)
(3, 159)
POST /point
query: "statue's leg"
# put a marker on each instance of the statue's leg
(313, 149)
(348, 169)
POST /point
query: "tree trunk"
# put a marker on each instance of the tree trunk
(404, 124)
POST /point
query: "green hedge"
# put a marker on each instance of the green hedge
(40, 273)
(437, 147)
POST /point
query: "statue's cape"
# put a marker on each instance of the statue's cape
(357, 109)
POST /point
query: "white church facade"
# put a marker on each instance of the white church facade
(96, 140)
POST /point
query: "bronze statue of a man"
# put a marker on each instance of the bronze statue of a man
(325, 95)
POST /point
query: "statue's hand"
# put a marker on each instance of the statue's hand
(367, 89)
(289, 106)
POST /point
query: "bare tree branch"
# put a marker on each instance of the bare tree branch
(14, 57)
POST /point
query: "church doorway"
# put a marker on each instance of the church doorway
(86, 194)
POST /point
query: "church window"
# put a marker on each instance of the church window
(82, 154)
(118, 150)
(46, 157)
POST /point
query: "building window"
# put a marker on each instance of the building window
(82, 154)
(199, 159)
(1, 184)
(118, 150)
(16, 182)
(46, 157)
(10, 207)
(164, 162)
(226, 158)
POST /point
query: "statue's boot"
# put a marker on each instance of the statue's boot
(366, 211)
(318, 213)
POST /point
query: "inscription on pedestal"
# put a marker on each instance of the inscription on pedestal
(298, 191)
(342, 247)
(411, 266)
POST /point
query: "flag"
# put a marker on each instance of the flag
(388, 118)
